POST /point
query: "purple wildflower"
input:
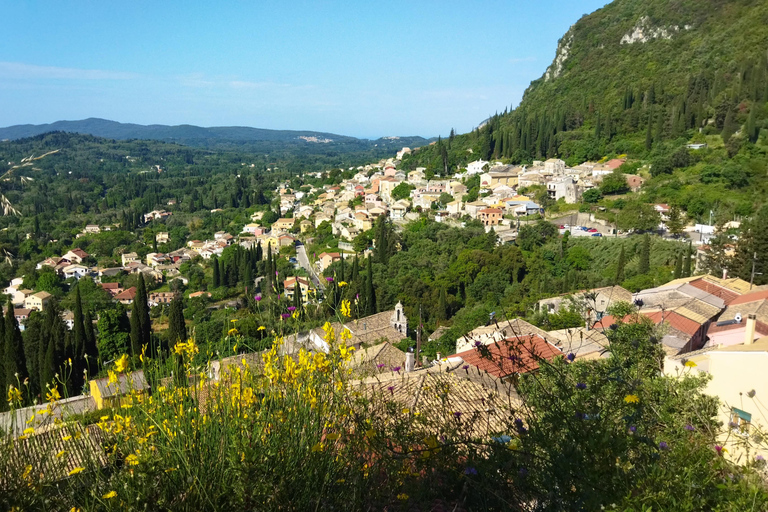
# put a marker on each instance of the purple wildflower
(470, 471)
(690, 428)
(286, 315)
(478, 344)
(719, 449)
(465, 368)
(581, 385)
(759, 458)
(395, 369)
(519, 427)
(291, 308)
(275, 272)
(257, 298)
(357, 296)
(329, 279)
(570, 357)
(632, 429)
(663, 445)
(380, 365)
(457, 415)
(391, 389)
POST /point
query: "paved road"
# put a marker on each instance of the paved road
(301, 255)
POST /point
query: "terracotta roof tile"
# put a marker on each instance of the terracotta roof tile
(511, 355)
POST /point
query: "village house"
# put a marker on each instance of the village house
(75, 256)
(37, 301)
(92, 229)
(289, 285)
(129, 257)
(476, 167)
(162, 237)
(111, 288)
(126, 297)
(490, 216)
(74, 271)
(388, 326)
(283, 224)
(158, 298)
(325, 259)
(156, 215)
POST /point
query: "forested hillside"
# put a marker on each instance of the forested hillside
(643, 79)
(302, 147)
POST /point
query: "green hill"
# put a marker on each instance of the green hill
(642, 78)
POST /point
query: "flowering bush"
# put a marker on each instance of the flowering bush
(303, 431)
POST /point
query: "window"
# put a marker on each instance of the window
(740, 421)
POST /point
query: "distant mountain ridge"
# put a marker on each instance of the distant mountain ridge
(195, 135)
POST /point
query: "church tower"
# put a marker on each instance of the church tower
(398, 321)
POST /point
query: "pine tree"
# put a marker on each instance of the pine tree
(620, 267)
(644, 266)
(678, 266)
(177, 328)
(15, 362)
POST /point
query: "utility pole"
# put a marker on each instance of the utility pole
(752, 276)
(418, 340)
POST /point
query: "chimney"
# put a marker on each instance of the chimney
(725, 273)
(749, 335)
(410, 361)
(439, 356)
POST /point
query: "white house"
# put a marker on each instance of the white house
(476, 167)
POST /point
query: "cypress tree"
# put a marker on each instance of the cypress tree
(177, 328)
(370, 293)
(644, 265)
(2, 359)
(15, 362)
(442, 305)
(259, 252)
(620, 267)
(678, 266)
(752, 130)
(648, 132)
(48, 367)
(216, 274)
(78, 340)
(729, 126)
(355, 270)
(91, 347)
(687, 270)
(140, 323)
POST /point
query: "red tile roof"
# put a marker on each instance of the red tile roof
(128, 294)
(519, 354)
(675, 320)
(727, 295)
(760, 327)
(750, 297)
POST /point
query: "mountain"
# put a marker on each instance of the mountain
(642, 78)
(219, 137)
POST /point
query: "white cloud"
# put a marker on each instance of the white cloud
(20, 70)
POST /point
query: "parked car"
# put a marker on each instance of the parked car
(597, 234)
(592, 230)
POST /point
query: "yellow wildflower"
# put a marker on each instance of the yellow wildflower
(342, 284)
(121, 364)
(29, 430)
(53, 395)
(112, 377)
(691, 364)
(232, 332)
(14, 395)
(261, 328)
(61, 454)
(402, 496)
(332, 437)
(631, 399)
(109, 495)
(317, 447)
(76, 471)
(132, 460)
(66, 438)
(370, 433)
(345, 309)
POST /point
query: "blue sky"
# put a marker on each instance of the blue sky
(366, 69)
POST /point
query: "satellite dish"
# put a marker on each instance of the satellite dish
(737, 317)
